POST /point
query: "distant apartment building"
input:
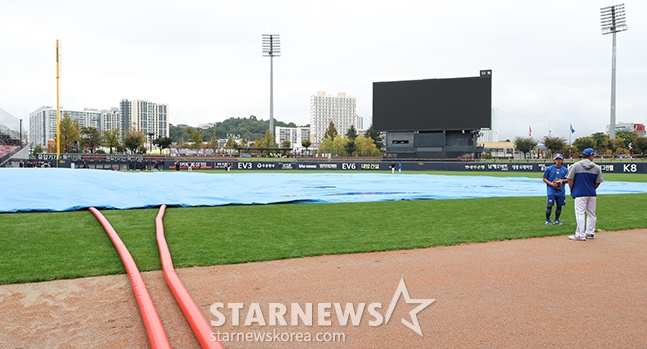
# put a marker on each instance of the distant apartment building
(324, 108)
(110, 119)
(150, 118)
(42, 122)
(360, 124)
(295, 135)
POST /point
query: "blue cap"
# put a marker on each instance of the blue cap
(558, 156)
(588, 152)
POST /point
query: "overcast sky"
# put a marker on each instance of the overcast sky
(551, 64)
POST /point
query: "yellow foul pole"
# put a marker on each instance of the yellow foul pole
(58, 112)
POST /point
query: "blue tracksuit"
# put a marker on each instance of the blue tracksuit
(585, 174)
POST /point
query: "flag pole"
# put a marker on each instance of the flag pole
(570, 141)
(570, 147)
(58, 112)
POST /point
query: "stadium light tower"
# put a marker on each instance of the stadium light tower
(613, 20)
(271, 48)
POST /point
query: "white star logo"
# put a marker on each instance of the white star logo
(402, 290)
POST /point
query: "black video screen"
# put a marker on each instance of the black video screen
(432, 104)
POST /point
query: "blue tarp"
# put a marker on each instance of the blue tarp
(43, 189)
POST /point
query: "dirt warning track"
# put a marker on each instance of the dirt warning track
(546, 292)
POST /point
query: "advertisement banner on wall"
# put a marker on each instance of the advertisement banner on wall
(151, 163)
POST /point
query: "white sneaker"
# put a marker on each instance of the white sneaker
(590, 236)
(574, 237)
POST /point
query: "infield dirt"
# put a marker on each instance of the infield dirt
(546, 292)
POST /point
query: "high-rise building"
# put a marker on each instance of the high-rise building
(360, 124)
(149, 118)
(295, 135)
(42, 122)
(110, 119)
(340, 109)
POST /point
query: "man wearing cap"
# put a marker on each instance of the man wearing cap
(554, 177)
(584, 178)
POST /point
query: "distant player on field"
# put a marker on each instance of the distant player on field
(554, 177)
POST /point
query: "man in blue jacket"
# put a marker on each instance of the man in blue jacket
(554, 177)
(584, 178)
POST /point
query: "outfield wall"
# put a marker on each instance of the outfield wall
(241, 165)
(616, 167)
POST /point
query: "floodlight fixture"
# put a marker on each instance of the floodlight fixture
(613, 19)
(271, 48)
(271, 45)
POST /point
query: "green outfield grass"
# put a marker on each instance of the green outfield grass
(48, 246)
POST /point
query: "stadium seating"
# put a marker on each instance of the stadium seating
(7, 149)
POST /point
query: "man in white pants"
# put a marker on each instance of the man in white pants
(584, 178)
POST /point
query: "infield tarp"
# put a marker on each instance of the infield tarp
(51, 189)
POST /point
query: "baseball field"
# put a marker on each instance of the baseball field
(36, 248)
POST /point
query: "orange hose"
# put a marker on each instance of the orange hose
(156, 334)
(191, 311)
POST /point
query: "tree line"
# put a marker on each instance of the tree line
(239, 132)
(251, 132)
(350, 144)
(626, 142)
(248, 128)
